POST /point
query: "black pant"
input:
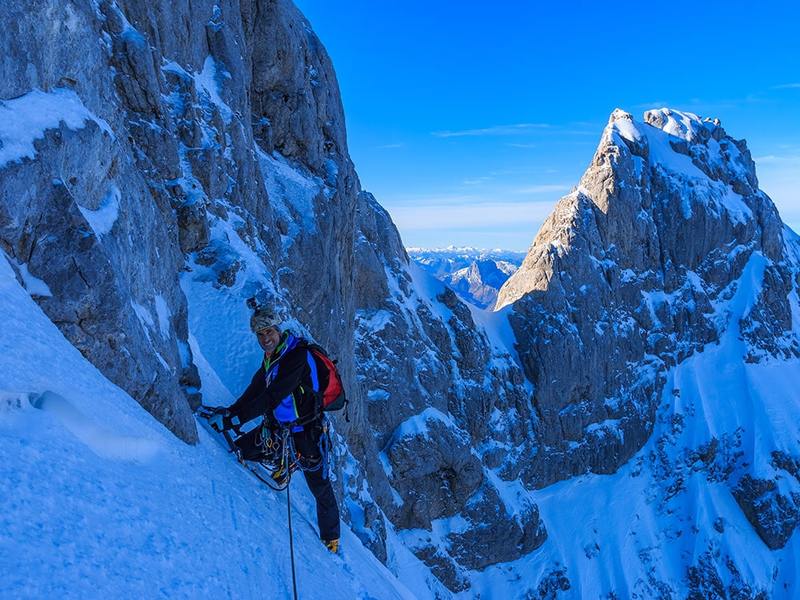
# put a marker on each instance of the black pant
(306, 443)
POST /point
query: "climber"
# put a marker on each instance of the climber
(283, 393)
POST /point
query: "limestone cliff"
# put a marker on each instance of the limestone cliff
(198, 151)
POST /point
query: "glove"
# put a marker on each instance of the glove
(217, 419)
(222, 420)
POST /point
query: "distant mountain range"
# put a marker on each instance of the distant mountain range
(475, 274)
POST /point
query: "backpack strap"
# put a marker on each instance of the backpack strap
(313, 349)
(314, 372)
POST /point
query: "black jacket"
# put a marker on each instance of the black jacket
(290, 395)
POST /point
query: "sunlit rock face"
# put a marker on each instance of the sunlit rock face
(622, 281)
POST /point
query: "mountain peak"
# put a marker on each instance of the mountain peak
(666, 218)
(618, 115)
(681, 124)
(687, 145)
(685, 125)
(671, 171)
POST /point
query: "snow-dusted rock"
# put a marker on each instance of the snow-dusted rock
(439, 389)
(621, 281)
(82, 216)
(773, 515)
(429, 451)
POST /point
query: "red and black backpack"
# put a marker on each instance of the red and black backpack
(331, 395)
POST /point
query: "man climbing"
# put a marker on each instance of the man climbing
(284, 392)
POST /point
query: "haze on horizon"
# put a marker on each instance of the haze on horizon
(469, 121)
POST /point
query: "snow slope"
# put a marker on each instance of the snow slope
(97, 499)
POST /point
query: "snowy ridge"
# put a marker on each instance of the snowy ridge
(445, 261)
(470, 251)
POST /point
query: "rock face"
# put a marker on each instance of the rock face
(439, 389)
(81, 209)
(621, 279)
(773, 515)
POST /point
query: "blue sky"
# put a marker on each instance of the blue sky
(468, 120)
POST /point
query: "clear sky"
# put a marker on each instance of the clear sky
(469, 119)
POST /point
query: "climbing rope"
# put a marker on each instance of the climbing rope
(291, 540)
(289, 460)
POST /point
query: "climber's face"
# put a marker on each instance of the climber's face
(268, 339)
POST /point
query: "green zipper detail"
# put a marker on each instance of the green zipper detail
(278, 350)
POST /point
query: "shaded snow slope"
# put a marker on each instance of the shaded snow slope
(97, 498)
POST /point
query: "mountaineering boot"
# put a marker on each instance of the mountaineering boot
(332, 545)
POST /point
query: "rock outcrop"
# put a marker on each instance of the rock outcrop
(621, 279)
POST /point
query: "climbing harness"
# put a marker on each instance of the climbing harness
(281, 456)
